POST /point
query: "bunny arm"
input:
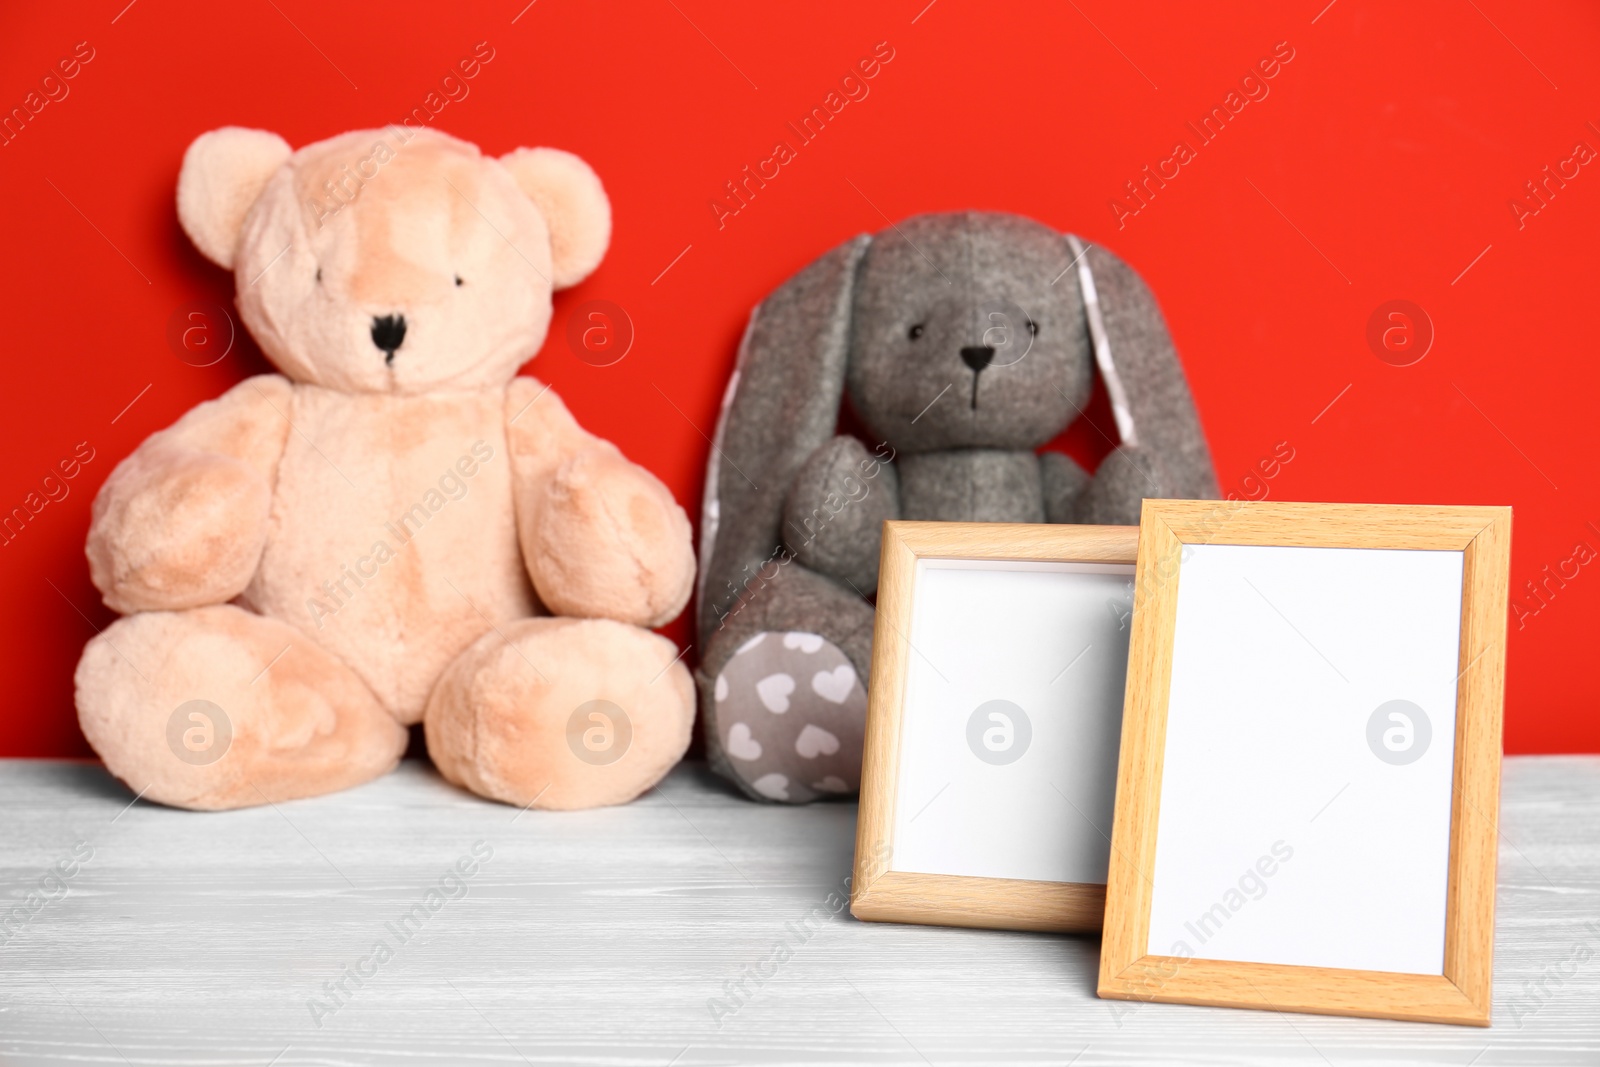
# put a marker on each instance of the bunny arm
(1063, 482)
(1115, 496)
(836, 508)
(601, 536)
(182, 522)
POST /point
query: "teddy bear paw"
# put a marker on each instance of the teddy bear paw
(561, 713)
(217, 707)
(608, 540)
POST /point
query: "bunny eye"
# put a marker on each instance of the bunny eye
(459, 282)
(1033, 328)
(915, 331)
(319, 275)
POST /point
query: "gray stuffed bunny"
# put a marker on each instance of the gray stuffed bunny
(964, 342)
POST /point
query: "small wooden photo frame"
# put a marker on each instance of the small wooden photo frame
(1308, 792)
(993, 724)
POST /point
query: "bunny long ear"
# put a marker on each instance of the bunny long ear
(781, 404)
(1149, 395)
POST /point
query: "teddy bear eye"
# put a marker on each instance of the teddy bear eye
(458, 279)
(915, 331)
(319, 275)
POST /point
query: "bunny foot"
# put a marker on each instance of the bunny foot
(789, 715)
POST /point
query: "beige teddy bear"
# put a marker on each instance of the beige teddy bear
(397, 528)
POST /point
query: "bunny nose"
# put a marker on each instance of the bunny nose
(388, 331)
(977, 357)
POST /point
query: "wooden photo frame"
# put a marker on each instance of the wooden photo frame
(993, 724)
(1250, 701)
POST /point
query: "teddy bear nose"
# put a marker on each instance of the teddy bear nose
(977, 356)
(387, 333)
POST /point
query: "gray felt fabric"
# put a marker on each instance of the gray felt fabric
(783, 597)
(785, 405)
(971, 485)
(966, 279)
(789, 711)
(961, 343)
(1063, 482)
(836, 509)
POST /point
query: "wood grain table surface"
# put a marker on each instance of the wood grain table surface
(407, 922)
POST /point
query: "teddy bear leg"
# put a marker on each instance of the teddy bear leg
(561, 713)
(783, 688)
(217, 707)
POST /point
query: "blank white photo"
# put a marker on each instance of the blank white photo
(1306, 789)
(1012, 719)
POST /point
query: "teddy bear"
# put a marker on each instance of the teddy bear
(962, 342)
(396, 527)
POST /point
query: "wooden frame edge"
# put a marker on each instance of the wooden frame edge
(1139, 759)
(1462, 995)
(877, 893)
(1475, 800)
(982, 903)
(1281, 987)
(880, 769)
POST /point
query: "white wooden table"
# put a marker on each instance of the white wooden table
(620, 936)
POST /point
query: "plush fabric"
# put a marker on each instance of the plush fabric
(221, 178)
(962, 343)
(396, 506)
(785, 598)
(561, 713)
(304, 726)
(788, 712)
(569, 195)
(971, 485)
(832, 517)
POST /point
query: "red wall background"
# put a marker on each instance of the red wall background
(1383, 165)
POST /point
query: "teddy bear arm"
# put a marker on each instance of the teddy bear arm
(836, 509)
(182, 522)
(601, 536)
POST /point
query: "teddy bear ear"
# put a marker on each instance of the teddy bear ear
(568, 193)
(222, 176)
